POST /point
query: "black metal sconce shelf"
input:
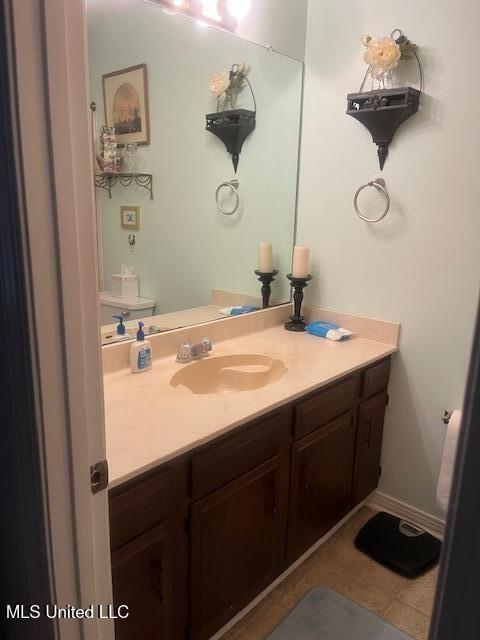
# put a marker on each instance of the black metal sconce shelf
(108, 180)
(382, 112)
(232, 127)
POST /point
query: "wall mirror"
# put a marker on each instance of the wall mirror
(167, 253)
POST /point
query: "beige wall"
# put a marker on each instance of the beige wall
(421, 265)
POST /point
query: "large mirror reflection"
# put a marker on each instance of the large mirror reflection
(178, 228)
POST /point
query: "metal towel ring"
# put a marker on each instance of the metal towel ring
(233, 185)
(379, 185)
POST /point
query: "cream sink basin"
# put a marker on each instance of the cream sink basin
(229, 374)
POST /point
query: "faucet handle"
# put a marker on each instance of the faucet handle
(184, 352)
(206, 344)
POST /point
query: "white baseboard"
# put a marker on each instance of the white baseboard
(381, 502)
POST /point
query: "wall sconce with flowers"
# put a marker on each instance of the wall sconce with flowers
(230, 124)
(383, 109)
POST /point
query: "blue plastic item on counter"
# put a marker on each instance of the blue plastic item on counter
(239, 311)
(328, 330)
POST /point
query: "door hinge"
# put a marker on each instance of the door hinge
(379, 471)
(387, 400)
(99, 476)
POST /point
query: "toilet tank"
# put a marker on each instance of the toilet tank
(129, 308)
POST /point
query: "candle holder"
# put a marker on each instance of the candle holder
(266, 279)
(296, 322)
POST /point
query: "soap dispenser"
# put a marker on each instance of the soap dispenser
(120, 325)
(140, 352)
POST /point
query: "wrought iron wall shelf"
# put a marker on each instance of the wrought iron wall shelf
(233, 128)
(382, 112)
(108, 180)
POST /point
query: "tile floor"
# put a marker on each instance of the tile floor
(407, 604)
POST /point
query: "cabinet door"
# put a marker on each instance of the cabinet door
(238, 543)
(369, 446)
(142, 580)
(322, 466)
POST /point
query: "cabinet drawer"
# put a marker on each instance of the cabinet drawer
(375, 379)
(143, 504)
(325, 406)
(238, 454)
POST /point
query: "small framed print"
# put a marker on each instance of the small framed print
(125, 99)
(130, 218)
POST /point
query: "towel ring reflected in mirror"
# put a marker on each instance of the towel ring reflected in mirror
(233, 186)
(379, 185)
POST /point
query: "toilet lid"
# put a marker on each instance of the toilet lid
(132, 304)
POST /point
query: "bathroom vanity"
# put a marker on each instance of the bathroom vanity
(199, 536)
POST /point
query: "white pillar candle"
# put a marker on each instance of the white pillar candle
(265, 257)
(301, 259)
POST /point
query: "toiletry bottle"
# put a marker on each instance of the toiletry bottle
(120, 325)
(140, 352)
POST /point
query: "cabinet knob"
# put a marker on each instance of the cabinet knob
(368, 439)
(272, 499)
(303, 475)
(158, 576)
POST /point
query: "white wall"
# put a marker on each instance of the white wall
(421, 265)
(185, 247)
(280, 23)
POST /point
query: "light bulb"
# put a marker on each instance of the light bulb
(239, 8)
(209, 10)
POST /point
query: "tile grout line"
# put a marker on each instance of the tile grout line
(417, 609)
(394, 596)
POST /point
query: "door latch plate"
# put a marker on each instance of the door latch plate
(99, 476)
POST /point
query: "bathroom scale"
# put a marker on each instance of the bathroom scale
(398, 545)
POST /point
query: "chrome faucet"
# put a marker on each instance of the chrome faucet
(188, 352)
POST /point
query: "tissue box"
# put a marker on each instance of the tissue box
(124, 286)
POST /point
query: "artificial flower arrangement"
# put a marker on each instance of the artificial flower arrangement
(383, 55)
(385, 107)
(227, 84)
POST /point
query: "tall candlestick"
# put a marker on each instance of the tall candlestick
(301, 260)
(296, 322)
(265, 257)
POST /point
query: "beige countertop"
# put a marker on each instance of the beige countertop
(149, 422)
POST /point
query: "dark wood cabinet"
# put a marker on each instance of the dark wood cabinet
(368, 448)
(325, 405)
(322, 466)
(150, 553)
(238, 543)
(196, 539)
(142, 580)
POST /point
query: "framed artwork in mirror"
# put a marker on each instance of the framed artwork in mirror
(125, 100)
(130, 217)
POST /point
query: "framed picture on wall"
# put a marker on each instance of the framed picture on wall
(130, 217)
(125, 100)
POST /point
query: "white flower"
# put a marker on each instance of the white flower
(219, 83)
(382, 54)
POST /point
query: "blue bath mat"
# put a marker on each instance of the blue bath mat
(324, 614)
